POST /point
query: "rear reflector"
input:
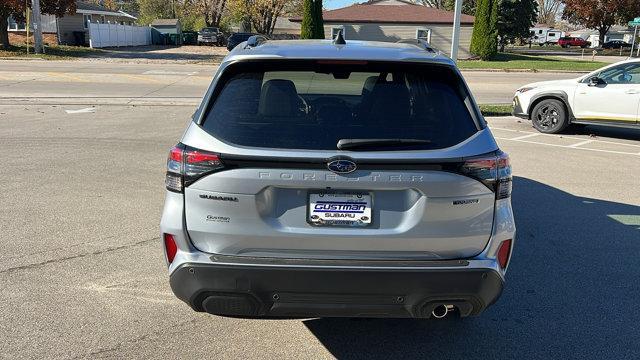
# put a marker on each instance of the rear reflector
(503, 253)
(170, 246)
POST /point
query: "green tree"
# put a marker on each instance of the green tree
(155, 9)
(319, 22)
(515, 18)
(484, 40)
(307, 28)
(468, 6)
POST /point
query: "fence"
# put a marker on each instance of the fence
(106, 35)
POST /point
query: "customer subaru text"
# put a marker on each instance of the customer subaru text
(337, 179)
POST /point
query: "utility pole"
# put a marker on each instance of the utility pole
(455, 37)
(37, 27)
(26, 9)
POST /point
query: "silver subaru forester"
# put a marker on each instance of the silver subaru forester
(328, 178)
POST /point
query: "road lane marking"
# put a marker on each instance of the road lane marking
(166, 72)
(143, 78)
(81, 111)
(569, 147)
(66, 76)
(581, 143)
(530, 135)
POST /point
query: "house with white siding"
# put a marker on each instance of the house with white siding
(73, 28)
(393, 20)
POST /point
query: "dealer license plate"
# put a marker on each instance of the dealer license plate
(339, 209)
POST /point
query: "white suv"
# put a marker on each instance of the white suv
(608, 96)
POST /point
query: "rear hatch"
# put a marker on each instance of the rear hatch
(335, 160)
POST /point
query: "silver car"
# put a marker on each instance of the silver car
(328, 178)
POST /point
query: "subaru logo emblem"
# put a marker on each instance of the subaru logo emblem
(341, 166)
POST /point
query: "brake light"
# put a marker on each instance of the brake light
(171, 247)
(185, 165)
(494, 171)
(503, 253)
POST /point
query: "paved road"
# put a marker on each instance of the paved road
(90, 82)
(82, 272)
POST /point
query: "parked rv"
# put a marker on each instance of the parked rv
(545, 36)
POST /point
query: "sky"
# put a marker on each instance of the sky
(335, 4)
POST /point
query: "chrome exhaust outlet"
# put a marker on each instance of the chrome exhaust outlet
(441, 311)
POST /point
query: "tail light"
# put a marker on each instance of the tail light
(170, 246)
(503, 253)
(185, 165)
(494, 171)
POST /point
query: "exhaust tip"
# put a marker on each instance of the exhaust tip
(440, 311)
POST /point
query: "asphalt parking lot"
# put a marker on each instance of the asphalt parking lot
(82, 273)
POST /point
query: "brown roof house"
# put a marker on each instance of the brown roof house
(392, 20)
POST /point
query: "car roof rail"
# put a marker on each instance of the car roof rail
(256, 40)
(421, 43)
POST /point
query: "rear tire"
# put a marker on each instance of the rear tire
(549, 116)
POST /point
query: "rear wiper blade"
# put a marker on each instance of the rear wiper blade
(346, 144)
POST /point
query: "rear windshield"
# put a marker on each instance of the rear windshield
(314, 105)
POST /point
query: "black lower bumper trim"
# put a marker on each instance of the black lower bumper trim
(517, 109)
(296, 291)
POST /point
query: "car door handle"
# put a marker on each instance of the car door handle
(632, 91)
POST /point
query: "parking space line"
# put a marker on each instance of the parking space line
(569, 147)
(564, 137)
(526, 136)
(581, 143)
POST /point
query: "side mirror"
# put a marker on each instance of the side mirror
(595, 81)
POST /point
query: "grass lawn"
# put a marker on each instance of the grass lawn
(496, 109)
(506, 61)
(59, 52)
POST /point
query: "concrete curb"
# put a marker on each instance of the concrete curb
(526, 71)
(125, 101)
(117, 60)
(23, 58)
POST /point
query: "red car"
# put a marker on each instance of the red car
(568, 41)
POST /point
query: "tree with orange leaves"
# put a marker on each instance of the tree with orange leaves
(16, 9)
(600, 14)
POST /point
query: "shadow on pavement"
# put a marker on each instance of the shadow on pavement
(157, 52)
(604, 131)
(572, 292)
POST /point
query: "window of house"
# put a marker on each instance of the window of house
(16, 26)
(335, 30)
(424, 34)
(87, 20)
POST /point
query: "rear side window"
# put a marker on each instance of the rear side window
(313, 105)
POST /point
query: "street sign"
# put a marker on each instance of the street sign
(635, 22)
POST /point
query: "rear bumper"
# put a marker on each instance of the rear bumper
(258, 287)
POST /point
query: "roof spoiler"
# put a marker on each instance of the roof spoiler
(256, 40)
(421, 43)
